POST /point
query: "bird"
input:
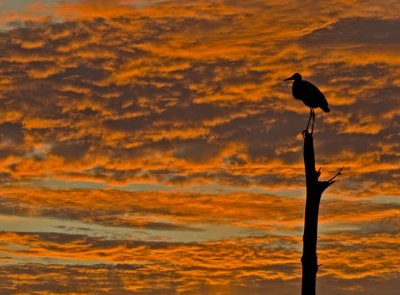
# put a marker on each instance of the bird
(309, 94)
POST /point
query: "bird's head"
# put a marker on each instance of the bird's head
(296, 77)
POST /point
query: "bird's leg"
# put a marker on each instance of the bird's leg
(313, 119)
(309, 119)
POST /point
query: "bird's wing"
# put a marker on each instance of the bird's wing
(313, 91)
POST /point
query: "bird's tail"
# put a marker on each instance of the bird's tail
(326, 109)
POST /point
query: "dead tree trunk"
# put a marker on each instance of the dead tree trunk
(315, 188)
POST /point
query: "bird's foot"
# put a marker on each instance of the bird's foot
(311, 118)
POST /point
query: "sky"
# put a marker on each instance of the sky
(151, 147)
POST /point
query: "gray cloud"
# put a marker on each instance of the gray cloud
(361, 31)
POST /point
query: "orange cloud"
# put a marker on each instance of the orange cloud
(129, 94)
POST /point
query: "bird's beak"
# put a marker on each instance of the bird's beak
(290, 78)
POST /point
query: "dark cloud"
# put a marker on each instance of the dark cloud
(361, 31)
(11, 131)
(70, 151)
(197, 150)
(367, 286)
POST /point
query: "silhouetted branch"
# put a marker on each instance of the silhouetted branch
(336, 175)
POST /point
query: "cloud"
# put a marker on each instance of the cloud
(129, 97)
(240, 264)
(192, 211)
(357, 31)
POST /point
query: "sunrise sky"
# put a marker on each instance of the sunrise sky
(151, 147)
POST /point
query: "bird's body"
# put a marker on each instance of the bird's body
(308, 93)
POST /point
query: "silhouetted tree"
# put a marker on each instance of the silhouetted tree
(315, 188)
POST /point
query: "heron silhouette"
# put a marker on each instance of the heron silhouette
(310, 95)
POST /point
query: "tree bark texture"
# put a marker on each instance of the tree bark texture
(315, 188)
